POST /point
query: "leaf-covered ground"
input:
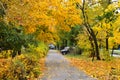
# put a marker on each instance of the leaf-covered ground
(42, 66)
(103, 70)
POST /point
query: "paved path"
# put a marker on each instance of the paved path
(60, 69)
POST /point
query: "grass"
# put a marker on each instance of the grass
(78, 56)
(74, 55)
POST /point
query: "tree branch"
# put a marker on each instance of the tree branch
(2, 6)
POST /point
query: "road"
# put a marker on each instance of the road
(59, 68)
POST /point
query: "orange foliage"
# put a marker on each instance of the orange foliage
(53, 14)
(103, 70)
(42, 66)
(50, 13)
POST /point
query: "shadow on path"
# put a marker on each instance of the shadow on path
(58, 68)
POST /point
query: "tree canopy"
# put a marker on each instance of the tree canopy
(53, 20)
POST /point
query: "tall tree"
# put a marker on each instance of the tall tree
(88, 27)
(51, 14)
(106, 21)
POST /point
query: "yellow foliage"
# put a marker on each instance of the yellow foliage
(111, 42)
(31, 13)
(97, 28)
(25, 66)
(106, 26)
(83, 41)
(53, 14)
(111, 7)
(117, 36)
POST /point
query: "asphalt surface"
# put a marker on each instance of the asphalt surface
(59, 68)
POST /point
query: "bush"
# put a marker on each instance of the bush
(5, 54)
(22, 67)
(105, 55)
(4, 69)
(25, 66)
(40, 50)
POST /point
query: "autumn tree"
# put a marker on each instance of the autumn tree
(106, 22)
(12, 37)
(86, 23)
(51, 15)
(2, 10)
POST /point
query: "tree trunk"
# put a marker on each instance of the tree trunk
(107, 44)
(93, 49)
(96, 44)
(112, 51)
(96, 48)
(93, 36)
(89, 29)
(19, 52)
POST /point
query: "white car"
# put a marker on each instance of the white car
(51, 46)
(65, 50)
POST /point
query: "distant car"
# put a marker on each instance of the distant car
(51, 46)
(65, 50)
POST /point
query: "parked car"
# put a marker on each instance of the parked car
(65, 50)
(51, 46)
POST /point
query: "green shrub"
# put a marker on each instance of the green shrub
(40, 50)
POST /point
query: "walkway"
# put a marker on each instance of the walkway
(60, 69)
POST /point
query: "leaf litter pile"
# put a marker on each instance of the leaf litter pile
(102, 70)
